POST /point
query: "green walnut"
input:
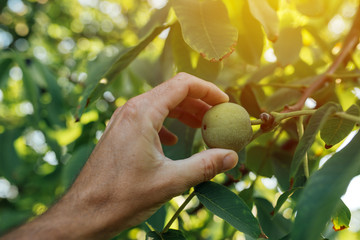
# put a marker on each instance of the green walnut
(226, 125)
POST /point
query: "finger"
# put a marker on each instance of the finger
(186, 118)
(171, 93)
(174, 91)
(197, 108)
(167, 137)
(201, 167)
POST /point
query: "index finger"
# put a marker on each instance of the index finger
(171, 93)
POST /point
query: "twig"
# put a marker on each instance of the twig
(256, 122)
(177, 213)
(300, 128)
(349, 44)
(345, 75)
(282, 85)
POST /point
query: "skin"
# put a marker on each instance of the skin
(127, 177)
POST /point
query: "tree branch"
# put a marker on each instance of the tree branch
(349, 44)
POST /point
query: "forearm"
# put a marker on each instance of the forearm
(62, 221)
(73, 217)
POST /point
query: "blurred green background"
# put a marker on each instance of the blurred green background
(49, 49)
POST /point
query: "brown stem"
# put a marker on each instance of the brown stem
(349, 44)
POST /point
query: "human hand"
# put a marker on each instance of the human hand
(127, 177)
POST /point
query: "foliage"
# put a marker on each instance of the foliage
(65, 66)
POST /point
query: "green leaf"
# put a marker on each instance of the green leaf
(281, 161)
(228, 206)
(5, 64)
(249, 100)
(341, 217)
(247, 195)
(267, 16)
(30, 87)
(207, 70)
(55, 109)
(281, 200)
(251, 37)
(274, 227)
(10, 218)
(158, 18)
(258, 160)
(323, 190)
(157, 220)
(183, 148)
(9, 159)
(206, 27)
(74, 165)
(171, 234)
(235, 172)
(180, 50)
(314, 126)
(280, 98)
(288, 46)
(336, 129)
(109, 66)
(262, 73)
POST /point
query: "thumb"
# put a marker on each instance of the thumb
(204, 166)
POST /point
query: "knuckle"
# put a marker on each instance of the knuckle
(182, 75)
(182, 78)
(131, 109)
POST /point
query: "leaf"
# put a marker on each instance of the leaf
(267, 16)
(327, 94)
(315, 124)
(288, 46)
(234, 94)
(228, 206)
(235, 172)
(274, 227)
(258, 161)
(281, 200)
(250, 101)
(158, 18)
(263, 72)
(247, 196)
(166, 62)
(180, 50)
(74, 165)
(11, 218)
(336, 129)
(157, 220)
(5, 64)
(30, 87)
(207, 70)
(323, 190)
(251, 37)
(9, 158)
(281, 98)
(341, 217)
(55, 109)
(206, 27)
(108, 66)
(171, 234)
(183, 148)
(281, 161)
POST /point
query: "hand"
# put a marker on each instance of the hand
(127, 177)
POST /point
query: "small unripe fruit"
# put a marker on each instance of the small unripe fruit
(226, 125)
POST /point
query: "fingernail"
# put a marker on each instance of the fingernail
(229, 161)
